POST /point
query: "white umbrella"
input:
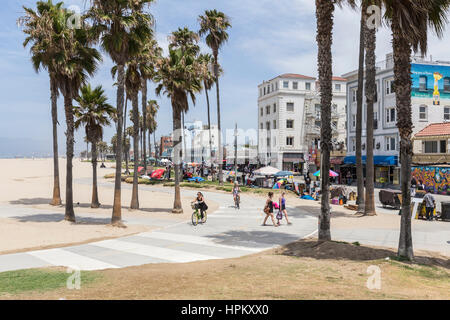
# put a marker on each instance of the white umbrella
(267, 171)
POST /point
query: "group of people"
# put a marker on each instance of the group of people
(428, 199)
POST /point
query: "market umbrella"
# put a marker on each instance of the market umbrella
(284, 174)
(267, 171)
(332, 174)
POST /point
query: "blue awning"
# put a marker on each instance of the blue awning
(377, 160)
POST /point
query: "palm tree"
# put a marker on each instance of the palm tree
(214, 25)
(122, 26)
(409, 21)
(102, 149)
(370, 90)
(359, 109)
(324, 15)
(179, 76)
(40, 34)
(93, 113)
(150, 121)
(76, 61)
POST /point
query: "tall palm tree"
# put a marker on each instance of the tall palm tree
(40, 33)
(179, 76)
(359, 112)
(324, 15)
(150, 120)
(370, 40)
(122, 26)
(214, 25)
(409, 21)
(102, 149)
(93, 113)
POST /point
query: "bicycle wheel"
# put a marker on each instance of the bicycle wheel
(195, 218)
(205, 217)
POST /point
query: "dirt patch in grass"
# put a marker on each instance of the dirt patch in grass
(301, 270)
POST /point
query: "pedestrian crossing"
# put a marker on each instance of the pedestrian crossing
(228, 233)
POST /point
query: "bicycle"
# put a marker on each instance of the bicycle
(196, 215)
(237, 201)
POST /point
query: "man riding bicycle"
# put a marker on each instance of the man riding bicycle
(236, 192)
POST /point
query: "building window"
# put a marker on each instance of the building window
(290, 107)
(262, 112)
(353, 145)
(447, 84)
(264, 90)
(337, 87)
(274, 107)
(431, 147)
(286, 84)
(267, 109)
(354, 91)
(353, 120)
(446, 113)
(423, 83)
(274, 124)
(289, 124)
(272, 87)
(268, 125)
(334, 108)
(423, 114)
(268, 142)
(289, 141)
(308, 86)
(276, 85)
(443, 146)
(334, 125)
(261, 126)
(389, 86)
(390, 115)
(260, 92)
(295, 85)
(375, 120)
(391, 144)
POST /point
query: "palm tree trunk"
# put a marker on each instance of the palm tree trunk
(149, 136)
(134, 196)
(370, 44)
(359, 103)
(144, 124)
(184, 158)
(209, 123)
(216, 74)
(126, 153)
(56, 201)
(403, 82)
(69, 212)
(324, 13)
(116, 219)
(177, 207)
(154, 143)
(94, 203)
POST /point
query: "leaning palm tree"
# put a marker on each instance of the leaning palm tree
(40, 30)
(409, 21)
(324, 15)
(94, 113)
(214, 25)
(179, 76)
(122, 26)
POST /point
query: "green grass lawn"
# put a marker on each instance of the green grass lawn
(14, 282)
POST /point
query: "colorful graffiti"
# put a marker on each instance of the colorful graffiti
(434, 178)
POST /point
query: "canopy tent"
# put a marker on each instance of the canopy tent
(332, 174)
(266, 171)
(284, 174)
(196, 179)
(164, 160)
(157, 174)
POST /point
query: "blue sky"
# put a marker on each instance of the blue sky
(268, 38)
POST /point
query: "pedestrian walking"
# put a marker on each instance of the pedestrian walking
(268, 210)
(413, 187)
(430, 205)
(283, 211)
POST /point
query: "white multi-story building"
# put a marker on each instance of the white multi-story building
(196, 142)
(430, 104)
(289, 120)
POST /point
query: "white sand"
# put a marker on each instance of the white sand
(29, 184)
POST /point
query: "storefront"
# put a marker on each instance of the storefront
(386, 168)
(293, 162)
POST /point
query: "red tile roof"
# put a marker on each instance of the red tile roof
(435, 129)
(339, 79)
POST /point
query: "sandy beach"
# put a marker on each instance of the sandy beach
(28, 183)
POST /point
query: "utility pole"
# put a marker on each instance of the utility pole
(235, 152)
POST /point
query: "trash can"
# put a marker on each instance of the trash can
(445, 210)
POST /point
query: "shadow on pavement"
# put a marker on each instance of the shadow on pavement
(31, 201)
(253, 239)
(58, 217)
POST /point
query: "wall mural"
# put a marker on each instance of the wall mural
(434, 178)
(436, 77)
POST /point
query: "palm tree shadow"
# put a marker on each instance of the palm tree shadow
(59, 217)
(30, 201)
(253, 239)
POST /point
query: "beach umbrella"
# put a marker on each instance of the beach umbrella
(332, 174)
(284, 174)
(267, 171)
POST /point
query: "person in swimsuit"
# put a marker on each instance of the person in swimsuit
(282, 202)
(201, 204)
(268, 210)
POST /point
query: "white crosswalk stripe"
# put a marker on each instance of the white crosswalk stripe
(60, 257)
